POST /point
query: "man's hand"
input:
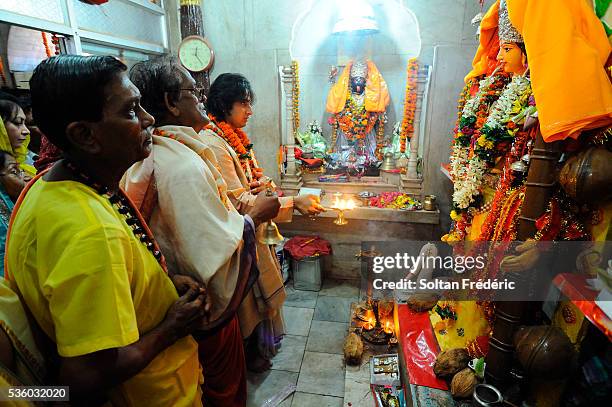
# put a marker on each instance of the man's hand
(186, 314)
(308, 204)
(256, 187)
(183, 283)
(264, 209)
(526, 260)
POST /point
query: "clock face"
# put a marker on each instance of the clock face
(195, 54)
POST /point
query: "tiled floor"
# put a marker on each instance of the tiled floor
(311, 354)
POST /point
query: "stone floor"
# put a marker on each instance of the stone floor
(311, 355)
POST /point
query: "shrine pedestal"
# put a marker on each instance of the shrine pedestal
(364, 224)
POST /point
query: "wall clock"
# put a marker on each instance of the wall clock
(195, 54)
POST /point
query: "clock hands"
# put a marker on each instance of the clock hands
(196, 55)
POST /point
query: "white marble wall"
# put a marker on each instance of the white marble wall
(252, 37)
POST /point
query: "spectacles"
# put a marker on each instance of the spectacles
(198, 92)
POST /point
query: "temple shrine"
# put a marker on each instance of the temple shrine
(372, 202)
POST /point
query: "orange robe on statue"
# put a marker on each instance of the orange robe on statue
(567, 49)
(376, 92)
(485, 60)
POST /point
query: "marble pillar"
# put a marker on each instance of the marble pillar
(292, 179)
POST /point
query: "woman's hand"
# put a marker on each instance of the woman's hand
(308, 204)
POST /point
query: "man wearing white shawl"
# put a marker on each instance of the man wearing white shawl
(182, 193)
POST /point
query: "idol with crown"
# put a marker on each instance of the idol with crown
(489, 164)
(490, 145)
(358, 104)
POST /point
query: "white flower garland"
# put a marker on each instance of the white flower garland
(502, 108)
(463, 186)
(469, 187)
(469, 109)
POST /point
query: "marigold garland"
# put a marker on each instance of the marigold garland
(380, 135)
(354, 120)
(295, 97)
(410, 103)
(2, 75)
(55, 40)
(240, 143)
(334, 134)
(520, 147)
(46, 44)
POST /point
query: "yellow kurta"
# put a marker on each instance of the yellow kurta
(91, 285)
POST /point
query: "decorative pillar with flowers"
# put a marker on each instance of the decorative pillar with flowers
(410, 181)
(292, 179)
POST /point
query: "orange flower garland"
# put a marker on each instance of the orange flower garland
(410, 103)
(2, 75)
(240, 143)
(46, 44)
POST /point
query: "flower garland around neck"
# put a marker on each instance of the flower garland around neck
(490, 142)
(471, 116)
(354, 120)
(240, 143)
(472, 113)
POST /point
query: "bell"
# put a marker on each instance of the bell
(269, 235)
(388, 163)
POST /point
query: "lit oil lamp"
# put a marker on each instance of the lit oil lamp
(388, 328)
(341, 205)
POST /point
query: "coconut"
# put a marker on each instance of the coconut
(422, 302)
(450, 362)
(463, 383)
(353, 349)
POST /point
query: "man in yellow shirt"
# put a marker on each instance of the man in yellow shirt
(84, 261)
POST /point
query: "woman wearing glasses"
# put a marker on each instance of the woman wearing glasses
(12, 181)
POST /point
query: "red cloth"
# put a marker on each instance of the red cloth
(419, 346)
(48, 154)
(312, 162)
(299, 248)
(222, 359)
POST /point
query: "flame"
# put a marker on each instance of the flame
(343, 204)
(388, 328)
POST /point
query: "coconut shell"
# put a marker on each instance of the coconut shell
(422, 302)
(450, 362)
(463, 383)
(353, 349)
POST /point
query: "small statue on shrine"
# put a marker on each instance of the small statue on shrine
(358, 104)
